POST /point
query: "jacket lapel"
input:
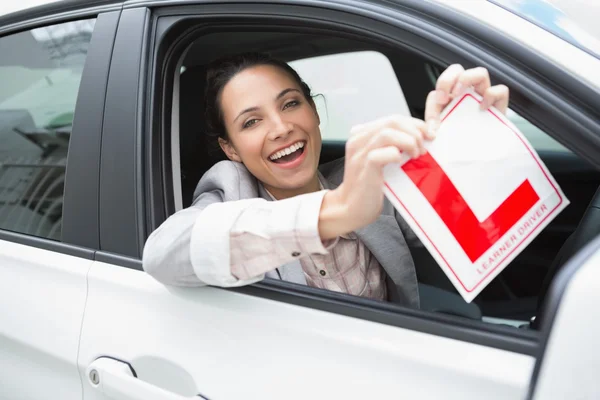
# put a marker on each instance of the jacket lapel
(385, 241)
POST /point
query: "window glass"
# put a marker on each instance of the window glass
(355, 87)
(40, 72)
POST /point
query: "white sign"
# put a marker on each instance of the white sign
(478, 197)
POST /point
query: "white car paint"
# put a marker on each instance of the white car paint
(226, 345)
(43, 297)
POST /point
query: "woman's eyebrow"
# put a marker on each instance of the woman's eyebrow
(286, 91)
(279, 96)
(247, 110)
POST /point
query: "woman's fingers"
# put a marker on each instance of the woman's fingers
(382, 156)
(421, 127)
(433, 110)
(359, 136)
(451, 84)
(447, 83)
(496, 96)
(478, 78)
(375, 133)
(403, 141)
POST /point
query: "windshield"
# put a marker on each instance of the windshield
(574, 21)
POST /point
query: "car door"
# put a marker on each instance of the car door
(49, 161)
(142, 340)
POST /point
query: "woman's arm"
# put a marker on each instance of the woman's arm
(233, 243)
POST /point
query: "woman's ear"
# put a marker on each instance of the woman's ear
(229, 150)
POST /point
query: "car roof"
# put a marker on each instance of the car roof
(16, 11)
(584, 64)
(8, 7)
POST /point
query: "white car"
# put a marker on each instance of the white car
(101, 138)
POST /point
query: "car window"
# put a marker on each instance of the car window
(40, 72)
(351, 88)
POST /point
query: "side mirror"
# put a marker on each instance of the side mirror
(568, 365)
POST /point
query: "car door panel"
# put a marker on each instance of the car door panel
(228, 345)
(43, 294)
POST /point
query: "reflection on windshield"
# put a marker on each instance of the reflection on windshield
(550, 16)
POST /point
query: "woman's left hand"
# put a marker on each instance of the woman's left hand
(452, 82)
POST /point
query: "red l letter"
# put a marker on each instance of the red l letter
(474, 237)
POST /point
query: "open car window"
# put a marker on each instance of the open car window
(353, 83)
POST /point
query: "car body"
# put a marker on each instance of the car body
(99, 119)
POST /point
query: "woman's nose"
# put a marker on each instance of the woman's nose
(280, 128)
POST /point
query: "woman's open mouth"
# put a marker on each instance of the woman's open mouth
(287, 157)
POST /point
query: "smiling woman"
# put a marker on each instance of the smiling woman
(272, 210)
(261, 110)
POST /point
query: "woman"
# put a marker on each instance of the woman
(271, 210)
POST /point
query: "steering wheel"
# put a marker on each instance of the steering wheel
(588, 228)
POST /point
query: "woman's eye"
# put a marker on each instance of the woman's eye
(249, 123)
(291, 104)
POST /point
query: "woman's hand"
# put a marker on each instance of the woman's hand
(358, 201)
(452, 82)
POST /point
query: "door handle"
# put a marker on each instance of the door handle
(117, 381)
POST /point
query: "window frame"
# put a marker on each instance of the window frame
(79, 236)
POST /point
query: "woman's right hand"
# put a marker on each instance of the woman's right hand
(358, 201)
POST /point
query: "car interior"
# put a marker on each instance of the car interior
(511, 298)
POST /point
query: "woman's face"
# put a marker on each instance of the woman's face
(273, 129)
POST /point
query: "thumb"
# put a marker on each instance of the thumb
(435, 103)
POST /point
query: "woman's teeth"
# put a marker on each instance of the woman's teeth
(287, 151)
